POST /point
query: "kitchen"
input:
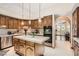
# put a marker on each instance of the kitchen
(11, 29)
(30, 29)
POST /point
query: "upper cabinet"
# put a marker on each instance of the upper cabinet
(13, 23)
(47, 21)
(34, 24)
(2, 20)
(26, 22)
(7, 22)
(75, 22)
(40, 24)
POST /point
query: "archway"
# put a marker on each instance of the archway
(63, 27)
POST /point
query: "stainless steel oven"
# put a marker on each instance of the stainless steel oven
(48, 33)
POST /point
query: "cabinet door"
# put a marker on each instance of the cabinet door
(19, 23)
(34, 24)
(74, 23)
(22, 47)
(75, 51)
(15, 24)
(11, 21)
(2, 20)
(78, 51)
(16, 44)
(7, 22)
(39, 49)
(47, 21)
(29, 50)
(40, 24)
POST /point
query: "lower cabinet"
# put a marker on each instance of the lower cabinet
(76, 51)
(23, 48)
(27, 48)
(76, 48)
(29, 51)
(16, 44)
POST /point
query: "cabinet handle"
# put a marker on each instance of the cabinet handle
(30, 48)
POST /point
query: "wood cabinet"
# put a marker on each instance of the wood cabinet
(27, 48)
(76, 48)
(47, 21)
(23, 48)
(11, 23)
(7, 22)
(16, 44)
(14, 23)
(19, 23)
(2, 20)
(19, 46)
(34, 24)
(40, 24)
(75, 22)
(26, 22)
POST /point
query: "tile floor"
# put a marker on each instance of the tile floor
(62, 49)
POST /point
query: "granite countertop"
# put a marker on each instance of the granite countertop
(76, 39)
(35, 39)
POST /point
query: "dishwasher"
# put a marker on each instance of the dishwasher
(5, 42)
(5, 39)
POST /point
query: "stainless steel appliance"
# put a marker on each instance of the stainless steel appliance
(5, 42)
(48, 33)
(5, 39)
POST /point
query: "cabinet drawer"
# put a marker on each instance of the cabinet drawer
(29, 43)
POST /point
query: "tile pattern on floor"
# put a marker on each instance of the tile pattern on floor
(63, 48)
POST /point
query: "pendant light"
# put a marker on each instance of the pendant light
(22, 23)
(39, 20)
(29, 13)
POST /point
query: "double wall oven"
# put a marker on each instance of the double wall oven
(48, 33)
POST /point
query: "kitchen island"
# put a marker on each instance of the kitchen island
(28, 45)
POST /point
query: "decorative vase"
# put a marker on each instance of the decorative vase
(33, 34)
(25, 31)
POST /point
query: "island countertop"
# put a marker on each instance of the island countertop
(35, 39)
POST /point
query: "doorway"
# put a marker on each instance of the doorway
(63, 32)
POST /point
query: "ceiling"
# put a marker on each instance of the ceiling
(15, 9)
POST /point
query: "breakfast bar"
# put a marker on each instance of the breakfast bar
(28, 45)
